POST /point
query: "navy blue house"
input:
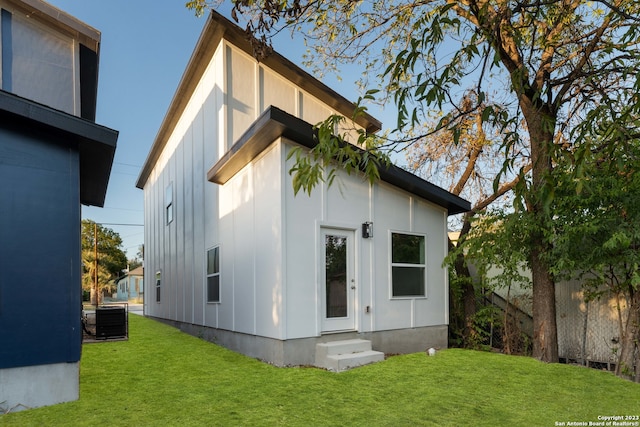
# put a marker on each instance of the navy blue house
(53, 158)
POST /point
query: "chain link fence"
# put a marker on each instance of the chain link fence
(589, 331)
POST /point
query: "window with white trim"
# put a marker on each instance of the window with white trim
(213, 274)
(408, 268)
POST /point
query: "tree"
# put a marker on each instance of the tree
(561, 69)
(469, 169)
(111, 260)
(138, 260)
(596, 239)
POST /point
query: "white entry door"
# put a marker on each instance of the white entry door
(337, 282)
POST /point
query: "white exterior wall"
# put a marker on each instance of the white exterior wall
(251, 270)
(269, 240)
(346, 205)
(177, 250)
(244, 217)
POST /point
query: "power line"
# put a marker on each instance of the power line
(127, 164)
(123, 209)
(127, 225)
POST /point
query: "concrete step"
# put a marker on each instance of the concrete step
(342, 347)
(339, 356)
(342, 362)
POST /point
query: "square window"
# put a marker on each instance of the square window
(408, 268)
(408, 281)
(407, 249)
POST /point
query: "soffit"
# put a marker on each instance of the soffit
(96, 144)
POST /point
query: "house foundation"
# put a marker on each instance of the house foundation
(302, 351)
(27, 387)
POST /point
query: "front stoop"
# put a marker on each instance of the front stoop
(339, 356)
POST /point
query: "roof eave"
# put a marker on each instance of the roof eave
(96, 144)
(275, 123)
(217, 28)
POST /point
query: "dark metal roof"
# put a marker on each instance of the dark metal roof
(216, 29)
(96, 144)
(275, 123)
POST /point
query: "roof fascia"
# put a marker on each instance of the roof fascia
(216, 28)
(96, 144)
(203, 53)
(61, 20)
(275, 123)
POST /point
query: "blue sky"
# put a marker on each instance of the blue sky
(145, 47)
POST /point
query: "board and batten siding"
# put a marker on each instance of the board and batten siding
(177, 249)
(349, 202)
(242, 217)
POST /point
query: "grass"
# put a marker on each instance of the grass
(167, 378)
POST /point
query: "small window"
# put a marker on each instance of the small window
(158, 283)
(213, 275)
(408, 269)
(168, 201)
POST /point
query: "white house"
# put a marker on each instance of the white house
(232, 255)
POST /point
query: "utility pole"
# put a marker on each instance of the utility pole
(95, 263)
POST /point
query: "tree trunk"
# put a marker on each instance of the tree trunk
(545, 332)
(468, 289)
(462, 305)
(468, 300)
(629, 341)
(541, 122)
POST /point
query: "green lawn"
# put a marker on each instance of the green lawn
(166, 378)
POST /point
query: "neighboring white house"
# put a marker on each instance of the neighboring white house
(232, 255)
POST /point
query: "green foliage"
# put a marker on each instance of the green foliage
(199, 7)
(111, 258)
(565, 77)
(596, 219)
(335, 152)
(484, 321)
(163, 377)
(456, 308)
(498, 247)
